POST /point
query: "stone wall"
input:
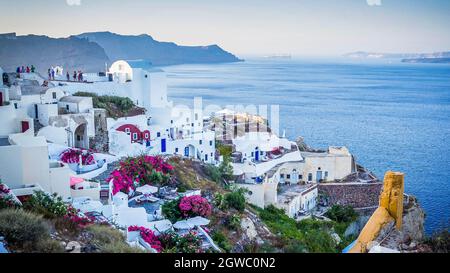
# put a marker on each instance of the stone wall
(361, 195)
(100, 142)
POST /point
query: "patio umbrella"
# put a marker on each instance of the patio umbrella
(89, 206)
(183, 225)
(198, 221)
(147, 189)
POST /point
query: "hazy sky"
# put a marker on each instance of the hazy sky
(298, 27)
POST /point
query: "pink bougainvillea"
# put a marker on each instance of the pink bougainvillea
(139, 171)
(73, 156)
(148, 236)
(194, 206)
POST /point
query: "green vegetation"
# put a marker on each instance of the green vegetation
(231, 200)
(172, 211)
(440, 241)
(109, 240)
(26, 231)
(224, 150)
(342, 214)
(222, 241)
(50, 206)
(310, 235)
(114, 105)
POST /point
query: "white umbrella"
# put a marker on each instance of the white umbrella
(198, 221)
(89, 206)
(183, 225)
(147, 189)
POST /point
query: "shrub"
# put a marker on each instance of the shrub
(141, 170)
(226, 169)
(49, 246)
(50, 206)
(222, 241)
(191, 206)
(22, 229)
(213, 172)
(440, 241)
(172, 242)
(171, 210)
(236, 199)
(110, 240)
(342, 214)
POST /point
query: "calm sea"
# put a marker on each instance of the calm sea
(392, 116)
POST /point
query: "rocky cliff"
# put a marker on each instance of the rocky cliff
(129, 47)
(43, 52)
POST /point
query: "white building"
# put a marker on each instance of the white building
(25, 166)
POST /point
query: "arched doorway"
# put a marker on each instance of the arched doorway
(80, 137)
(189, 151)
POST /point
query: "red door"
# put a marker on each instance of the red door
(25, 126)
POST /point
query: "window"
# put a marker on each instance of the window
(211, 143)
(176, 150)
(310, 177)
(206, 157)
(196, 116)
(15, 105)
(135, 136)
(200, 142)
(192, 124)
(127, 130)
(54, 95)
(146, 135)
(187, 120)
(158, 134)
(67, 107)
(282, 175)
(300, 176)
(171, 122)
(253, 154)
(146, 76)
(326, 174)
(261, 153)
(288, 176)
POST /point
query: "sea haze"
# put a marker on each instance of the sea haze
(391, 115)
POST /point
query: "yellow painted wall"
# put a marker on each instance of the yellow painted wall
(390, 209)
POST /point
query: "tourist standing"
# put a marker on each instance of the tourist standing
(68, 76)
(33, 69)
(53, 74)
(74, 75)
(49, 71)
(18, 70)
(23, 69)
(28, 69)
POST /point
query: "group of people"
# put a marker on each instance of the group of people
(27, 69)
(77, 76)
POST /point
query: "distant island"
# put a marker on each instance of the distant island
(436, 57)
(92, 51)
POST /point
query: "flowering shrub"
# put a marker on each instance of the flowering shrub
(74, 218)
(139, 171)
(148, 236)
(174, 243)
(170, 241)
(73, 156)
(6, 200)
(50, 206)
(195, 205)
